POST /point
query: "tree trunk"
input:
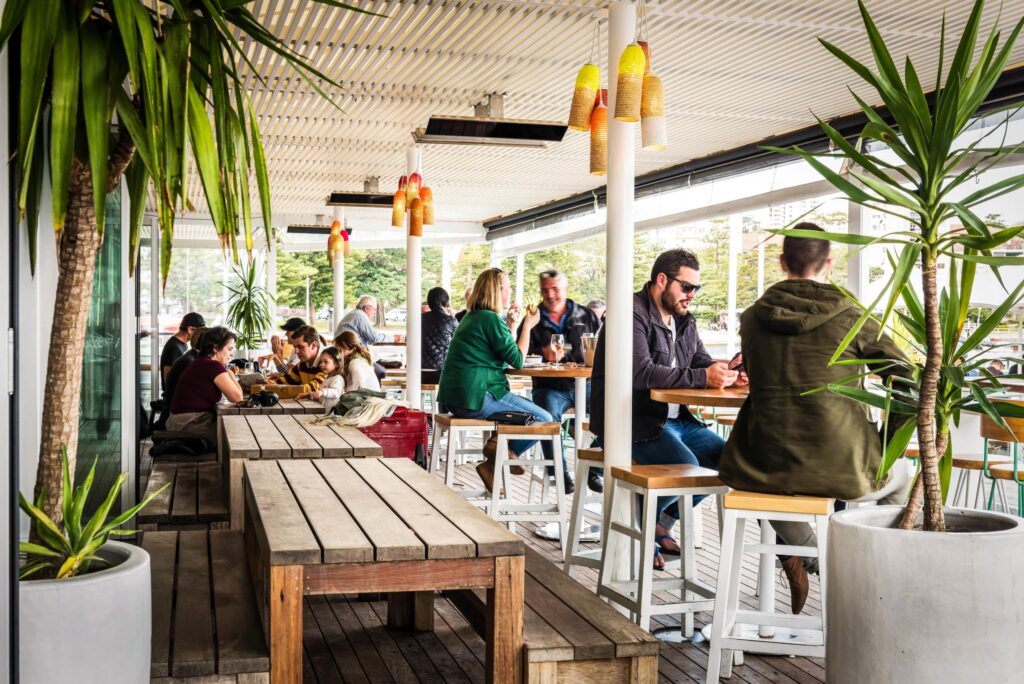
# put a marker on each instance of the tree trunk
(928, 437)
(76, 258)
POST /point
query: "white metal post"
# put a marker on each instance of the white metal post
(413, 319)
(735, 244)
(618, 342)
(856, 263)
(272, 277)
(520, 267)
(338, 303)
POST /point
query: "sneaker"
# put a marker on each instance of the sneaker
(798, 582)
(569, 486)
(595, 482)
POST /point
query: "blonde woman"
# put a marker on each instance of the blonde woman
(473, 382)
(357, 361)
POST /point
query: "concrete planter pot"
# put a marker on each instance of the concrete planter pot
(913, 606)
(93, 628)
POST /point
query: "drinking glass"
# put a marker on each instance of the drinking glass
(558, 345)
(567, 348)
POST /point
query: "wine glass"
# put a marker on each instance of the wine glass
(558, 346)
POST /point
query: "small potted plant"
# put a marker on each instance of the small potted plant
(84, 599)
(248, 307)
(927, 600)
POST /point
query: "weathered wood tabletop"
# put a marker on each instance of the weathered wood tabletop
(344, 526)
(283, 436)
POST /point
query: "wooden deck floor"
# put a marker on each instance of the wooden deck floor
(346, 641)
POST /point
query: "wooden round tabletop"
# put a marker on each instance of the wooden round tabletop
(547, 371)
(724, 398)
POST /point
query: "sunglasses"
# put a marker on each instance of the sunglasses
(687, 287)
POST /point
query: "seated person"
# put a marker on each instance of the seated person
(202, 384)
(438, 327)
(277, 347)
(182, 363)
(332, 366)
(822, 444)
(307, 371)
(473, 382)
(667, 354)
(358, 366)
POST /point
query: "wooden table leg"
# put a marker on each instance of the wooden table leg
(505, 621)
(411, 610)
(285, 624)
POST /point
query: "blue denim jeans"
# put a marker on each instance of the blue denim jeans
(509, 402)
(682, 441)
(556, 402)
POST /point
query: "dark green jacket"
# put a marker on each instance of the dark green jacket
(481, 348)
(821, 444)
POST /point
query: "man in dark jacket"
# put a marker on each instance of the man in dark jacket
(822, 444)
(667, 354)
(559, 315)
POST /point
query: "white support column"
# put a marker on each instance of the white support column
(495, 259)
(520, 268)
(856, 264)
(413, 320)
(225, 278)
(448, 255)
(618, 341)
(338, 301)
(735, 245)
(272, 275)
(156, 381)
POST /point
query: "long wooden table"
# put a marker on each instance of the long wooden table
(375, 525)
(252, 437)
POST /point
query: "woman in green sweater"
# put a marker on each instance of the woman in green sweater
(473, 382)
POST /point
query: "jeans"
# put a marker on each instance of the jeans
(682, 441)
(556, 402)
(509, 402)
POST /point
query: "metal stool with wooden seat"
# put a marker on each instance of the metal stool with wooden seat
(754, 631)
(501, 506)
(586, 460)
(456, 429)
(1008, 469)
(636, 593)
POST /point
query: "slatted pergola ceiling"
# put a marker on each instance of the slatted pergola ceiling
(735, 72)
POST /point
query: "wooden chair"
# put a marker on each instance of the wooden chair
(755, 631)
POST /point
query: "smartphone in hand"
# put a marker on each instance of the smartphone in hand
(736, 363)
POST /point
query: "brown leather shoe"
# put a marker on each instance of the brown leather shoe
(486, 472)
(798, 583)
(491, 454)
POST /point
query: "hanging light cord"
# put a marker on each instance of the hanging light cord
(641, 24)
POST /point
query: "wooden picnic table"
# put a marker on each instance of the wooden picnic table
(250, 437)
(375, 525)
(731, 397)
(579, 374)
(285, 406)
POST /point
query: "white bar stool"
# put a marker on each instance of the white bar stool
(502, 507)
(635, 593)
(754, 631)
(456, 429)
(586, 460)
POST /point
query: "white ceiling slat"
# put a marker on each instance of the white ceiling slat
(735, 72)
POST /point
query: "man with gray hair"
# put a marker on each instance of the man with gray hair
(559, 315)
(360, 321)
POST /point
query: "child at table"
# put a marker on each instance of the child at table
(334, 384)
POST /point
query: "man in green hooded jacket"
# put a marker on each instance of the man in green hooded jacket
(822, 444)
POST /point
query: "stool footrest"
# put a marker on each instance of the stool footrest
(782, 549)
(753, 617)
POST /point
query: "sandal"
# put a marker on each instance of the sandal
(659, 562)
(668, 551)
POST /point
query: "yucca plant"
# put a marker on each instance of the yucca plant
(176, 74)
(68, 548)
(918, 184)
(248, 306)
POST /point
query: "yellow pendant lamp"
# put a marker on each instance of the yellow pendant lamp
(587, 83)
(630, 84)
(653, 131)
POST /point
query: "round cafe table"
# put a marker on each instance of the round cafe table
(580, 375)
(732, 397)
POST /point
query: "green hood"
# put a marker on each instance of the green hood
(794, 307)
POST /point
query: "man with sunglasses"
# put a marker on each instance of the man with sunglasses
(667, 353)
(559, 315)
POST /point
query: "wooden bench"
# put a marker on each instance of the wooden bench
(195, 499)
(569, 634)
(206, 627)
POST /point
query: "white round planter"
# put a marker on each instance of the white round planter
(912, 606)
(93, 628)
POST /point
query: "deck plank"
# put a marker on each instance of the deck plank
(193, 649)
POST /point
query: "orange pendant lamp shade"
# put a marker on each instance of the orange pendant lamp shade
(398, 209)
(427, 195)
(416, 217)
(347, 248)
(630, 83)
(599, 141)
(412, 188)
(587, 82)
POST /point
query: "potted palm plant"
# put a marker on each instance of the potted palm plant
(76, 569)
(909, 599)
(248, 307)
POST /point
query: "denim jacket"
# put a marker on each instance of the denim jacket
(652, 368)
